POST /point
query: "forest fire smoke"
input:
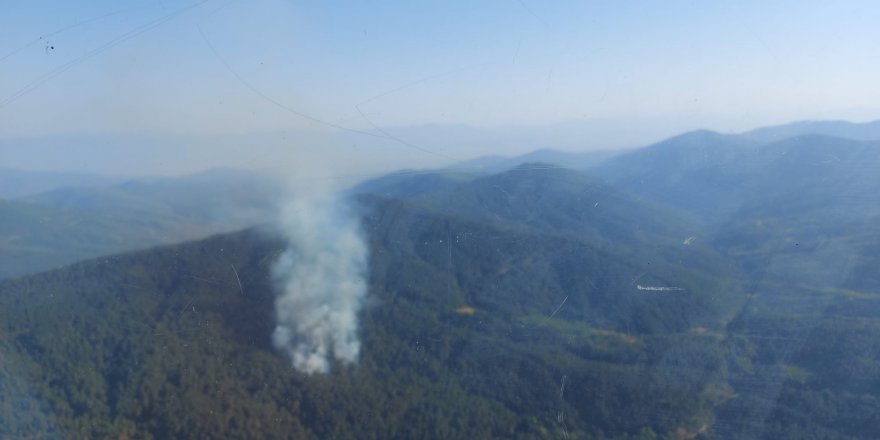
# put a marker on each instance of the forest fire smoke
(321, 282)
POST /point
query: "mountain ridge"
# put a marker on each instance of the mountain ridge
(179, 332)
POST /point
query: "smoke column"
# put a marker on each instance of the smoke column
(321, 282)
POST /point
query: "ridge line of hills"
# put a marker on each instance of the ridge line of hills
(526, 303)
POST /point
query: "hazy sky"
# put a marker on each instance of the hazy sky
(323, 75)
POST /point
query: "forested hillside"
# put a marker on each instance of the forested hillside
(472, 330)
(539, 302)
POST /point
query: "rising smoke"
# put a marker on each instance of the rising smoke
(321, 282)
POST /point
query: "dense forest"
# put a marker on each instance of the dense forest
(539, 302)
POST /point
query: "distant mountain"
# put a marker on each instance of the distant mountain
(800, 217)
(701, 172)
(866, 131)
(560, 201)
(571, 204)
(799, 210)
(213, 195)
(413, 183)
(818, 222)
(713, 175)
(544, 196)
(574, 160)
(37, 237)
(19, 183)
(64, 225)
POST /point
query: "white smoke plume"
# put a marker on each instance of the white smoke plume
(322, 281)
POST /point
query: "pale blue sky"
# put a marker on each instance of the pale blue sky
(656, 68)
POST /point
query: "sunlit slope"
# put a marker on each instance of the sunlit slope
(471, 330)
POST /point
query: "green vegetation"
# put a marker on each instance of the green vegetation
(527, 304)
(163, 343)
(65, 225)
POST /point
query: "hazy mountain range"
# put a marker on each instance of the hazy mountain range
(69, 223)
(866, 131)
(710, 286)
